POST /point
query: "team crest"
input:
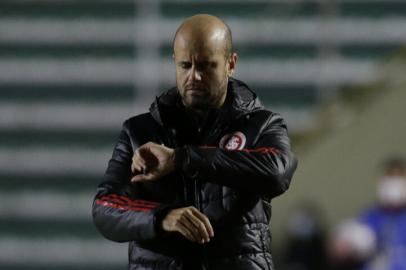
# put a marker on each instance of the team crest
(233, 141)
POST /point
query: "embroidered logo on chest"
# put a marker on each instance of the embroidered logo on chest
(233, 141)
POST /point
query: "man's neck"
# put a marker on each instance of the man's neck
(198, 116)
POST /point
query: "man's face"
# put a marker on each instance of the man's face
(202, 72)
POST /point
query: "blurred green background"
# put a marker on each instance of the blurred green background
(72, 70)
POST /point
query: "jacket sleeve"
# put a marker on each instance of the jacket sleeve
(119, 210)
(266, 169)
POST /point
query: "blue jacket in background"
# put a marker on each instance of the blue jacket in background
(389, 226)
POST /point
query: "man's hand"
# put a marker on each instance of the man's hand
(190, 222)
(152, 161)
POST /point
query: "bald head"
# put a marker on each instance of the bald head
(204, 61)
(204, 30)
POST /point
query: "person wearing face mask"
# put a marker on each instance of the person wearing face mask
(388, 219)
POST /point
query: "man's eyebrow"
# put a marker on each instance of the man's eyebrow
(202, 62)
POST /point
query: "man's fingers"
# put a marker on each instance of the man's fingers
(136, 166)
(143, 177)
(137, 178)
(152, 158)
(137, 159)
(181, 228)
(138, 156)
(191, 229)
(138, 163)
(193, 224)
(205, 221)
(198, 225)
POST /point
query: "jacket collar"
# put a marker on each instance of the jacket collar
(240, 100)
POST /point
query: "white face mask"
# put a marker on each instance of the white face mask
(392, 191)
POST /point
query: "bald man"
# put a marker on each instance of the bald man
(190, 182)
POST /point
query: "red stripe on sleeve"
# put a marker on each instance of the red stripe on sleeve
(120, 206)
(117, 201)
(261, 150)
(207, 147)
(125, 203)
(126, 199)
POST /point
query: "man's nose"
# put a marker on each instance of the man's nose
(195, 74)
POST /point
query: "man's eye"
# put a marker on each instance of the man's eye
(210, 65)
(207, 65)
(204, 65)
(185, 65)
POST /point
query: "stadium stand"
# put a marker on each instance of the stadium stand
(72, 70)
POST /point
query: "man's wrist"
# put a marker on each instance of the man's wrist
(183, 161)
(180, 158)
(159, 216)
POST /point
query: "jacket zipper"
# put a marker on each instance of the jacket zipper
(196, 183)
(189, 197)
(188, 200)
(197, 197)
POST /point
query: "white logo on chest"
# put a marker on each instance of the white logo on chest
(233, 141)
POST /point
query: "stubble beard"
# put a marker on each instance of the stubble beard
(206, 101)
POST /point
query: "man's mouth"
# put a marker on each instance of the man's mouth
(194, 88)
(196, 93)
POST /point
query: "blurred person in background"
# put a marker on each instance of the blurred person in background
(387, 219)
(305, 242)
(190, 183)
(350, 244)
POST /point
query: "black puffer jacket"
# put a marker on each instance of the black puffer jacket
(230, 168)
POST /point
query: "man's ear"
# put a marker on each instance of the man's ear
(232, 62)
